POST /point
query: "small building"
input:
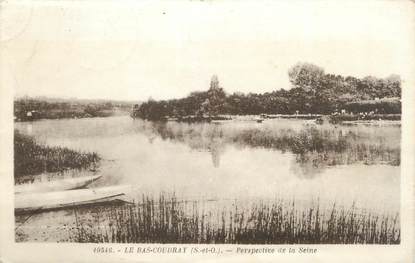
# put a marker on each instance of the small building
(31, 115)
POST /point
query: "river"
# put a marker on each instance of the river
(210, 161)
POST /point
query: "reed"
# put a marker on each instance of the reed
(168, 220)
(31, 158)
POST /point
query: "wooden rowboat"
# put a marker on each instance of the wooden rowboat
(34, 202)
(56, 185)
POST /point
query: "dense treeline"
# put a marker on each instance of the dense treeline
(47, 108)
(312, 91)
(385, 105)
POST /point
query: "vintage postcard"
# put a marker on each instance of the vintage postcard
(207, 131)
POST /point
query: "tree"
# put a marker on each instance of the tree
(216, 97)
(393, 86)
(307, 80)
(306, 76)
(312, 91)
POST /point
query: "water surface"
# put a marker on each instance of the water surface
(211, 161)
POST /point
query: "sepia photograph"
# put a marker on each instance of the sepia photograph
(208, 123)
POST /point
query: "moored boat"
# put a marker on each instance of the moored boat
(34, 202)
(56, 185)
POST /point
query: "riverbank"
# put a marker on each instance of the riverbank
(318, 118)
(31, 109)
(67, 114)
(31, 158)
(364, 117)
(169, 220)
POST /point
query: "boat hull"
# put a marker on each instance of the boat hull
(34, 202)
(56, 185)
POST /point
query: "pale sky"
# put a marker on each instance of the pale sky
(134, 50)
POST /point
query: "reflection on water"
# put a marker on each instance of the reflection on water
(243, 160)
(216, 152)
(314, 146)
(29, 128)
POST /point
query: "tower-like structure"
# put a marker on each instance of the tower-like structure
(214, 82)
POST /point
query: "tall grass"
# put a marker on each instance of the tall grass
(168, 220)
(31, 158)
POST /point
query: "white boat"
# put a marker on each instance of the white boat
(56, 185)
(34, 202)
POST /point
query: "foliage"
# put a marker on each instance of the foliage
(31, 158)
(313, 91)
(213, 105)
(380, 106)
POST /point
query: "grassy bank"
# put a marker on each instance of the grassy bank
(31, 158)
(166, 220)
